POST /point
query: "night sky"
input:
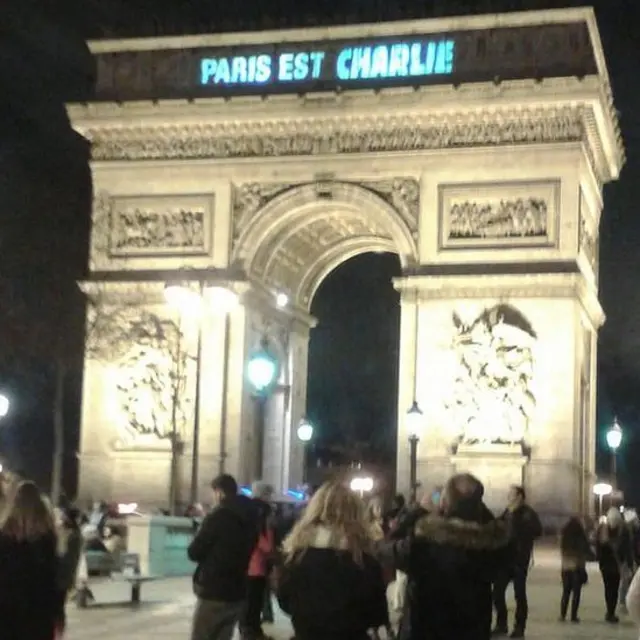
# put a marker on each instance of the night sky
(44, 196)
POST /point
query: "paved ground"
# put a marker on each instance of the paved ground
(166, 612)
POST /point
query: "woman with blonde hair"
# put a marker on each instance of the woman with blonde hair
(30, 604)
(331, 585)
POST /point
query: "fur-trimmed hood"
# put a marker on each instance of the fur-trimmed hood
(462, 533)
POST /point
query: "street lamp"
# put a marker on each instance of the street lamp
(4, 405)
(361, 485)
(305, 431)
(414, 427)
(602, 489)
(263, 370)
(189, 301)
(282, 300)
(614, 440)
(305, 434)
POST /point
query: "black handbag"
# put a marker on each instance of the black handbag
(583, 576)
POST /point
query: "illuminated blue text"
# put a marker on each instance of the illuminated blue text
(395, 61)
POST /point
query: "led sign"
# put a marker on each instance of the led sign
(454, 58)
(333, 63)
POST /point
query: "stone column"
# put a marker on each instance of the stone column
(498, 371)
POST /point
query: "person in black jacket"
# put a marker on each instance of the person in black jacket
(330, 584)
(525, 528)
(30, 603)
(450, 560)
(613, 551)
(575, 552)
(222, 548)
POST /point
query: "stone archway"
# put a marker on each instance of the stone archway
(304, 232)
(288, 239)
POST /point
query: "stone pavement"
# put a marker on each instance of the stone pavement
(167, 605)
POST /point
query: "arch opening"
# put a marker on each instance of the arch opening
(297, 239)
(352, 369)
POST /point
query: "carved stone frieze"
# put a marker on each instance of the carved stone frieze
(284, 267)
(498, 214)
(403, 194)
(517, 218)
(588, 244)
(100, 230)
(337, 135)
(135, 229)
(249, 198)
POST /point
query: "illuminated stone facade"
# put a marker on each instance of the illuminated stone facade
(489, 192)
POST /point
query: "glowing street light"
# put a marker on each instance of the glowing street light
(305, 435)
(262, 370)
(282, 300)
(602, 489)
(222, 299)
(190, 301)
(5, 405)
(614, 436)
(614, 440)
(305, 431)
(183, 298)
(361, 485)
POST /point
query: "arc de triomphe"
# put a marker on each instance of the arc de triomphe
(474, 148)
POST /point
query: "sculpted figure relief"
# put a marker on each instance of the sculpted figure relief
(492, 400)
(151, 364)
(144, 229)
(519, 218)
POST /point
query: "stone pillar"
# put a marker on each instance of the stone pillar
(139, 380)
(498, 372)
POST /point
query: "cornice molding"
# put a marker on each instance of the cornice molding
(130, 293)
(338, 135)
(395, 119)
(422, 289)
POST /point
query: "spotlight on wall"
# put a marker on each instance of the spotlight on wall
(282, 300)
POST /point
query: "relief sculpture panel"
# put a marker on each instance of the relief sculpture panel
(498, 215)
(588, 238)
(492, 399)
(150, 360)
(156, 226)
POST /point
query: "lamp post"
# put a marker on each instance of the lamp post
(614, 440)
(189, 301)
(305, 434)
(262, 373)
(602, 489)
(414, 426)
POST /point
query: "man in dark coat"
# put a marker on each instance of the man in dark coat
(524, 527)
(450, 560)
(222, 548)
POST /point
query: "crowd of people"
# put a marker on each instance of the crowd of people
(449, 559)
